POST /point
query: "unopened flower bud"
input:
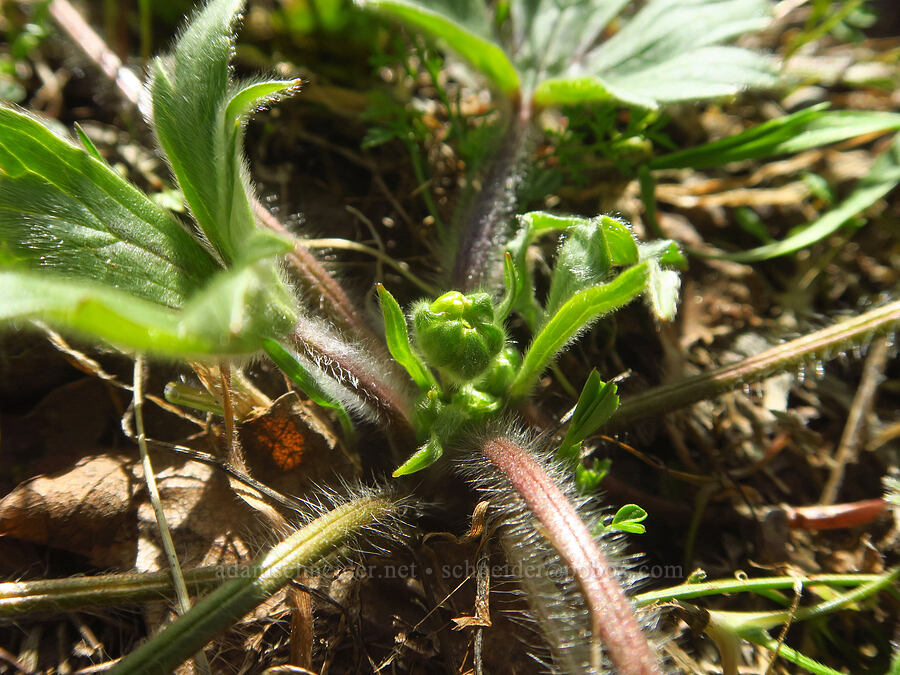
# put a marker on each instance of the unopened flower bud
(457, 332)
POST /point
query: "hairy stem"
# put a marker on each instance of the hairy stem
(612, 620)
(316, 282)
(821, 345)
(226, 605)
(480, 242)
(51, 596)
(352, 368)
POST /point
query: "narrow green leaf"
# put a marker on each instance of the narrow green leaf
(88, 143)
(881, 179)
(710, 72)
(803, 130)
(422, 458)
(397, 336)
(290, 365)
(542, 222)
(250, 95)
(596, 404)
(67, 212)
(97, 311)
(573, 317)
(465, 27)
(511, 283)
(575, 90)
(517, 247)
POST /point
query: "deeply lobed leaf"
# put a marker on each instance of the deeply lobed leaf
(666, 52)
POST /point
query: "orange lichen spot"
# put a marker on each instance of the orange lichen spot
(283, 439)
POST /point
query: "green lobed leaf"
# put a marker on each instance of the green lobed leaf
(803, 130)
(628, 519)
(397, 336)
(64, 211)
(465, 26)
(881, 179)
(667, 52)
(547, 35)
(199, 118)
(575, 315)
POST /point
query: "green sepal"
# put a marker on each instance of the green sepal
(474, 403)
(501, 372)
(422, 458)
(596, 404)
(575, 315)
(397, 336)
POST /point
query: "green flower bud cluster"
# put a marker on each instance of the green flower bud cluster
(459, 334)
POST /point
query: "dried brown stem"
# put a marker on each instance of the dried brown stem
(612, 620)
(851, 438)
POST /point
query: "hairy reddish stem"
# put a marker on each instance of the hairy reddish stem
(612, 620)
(820, 345)
(486, 220)
(353, 368)
(317, 282)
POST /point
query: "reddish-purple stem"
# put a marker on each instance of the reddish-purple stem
(612, 620)
(478, 254)
(318, 283)
(389, 397)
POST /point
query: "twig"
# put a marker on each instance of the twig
(349, 245)
(291, 503)
(851, 438)
(181, 593)
(96, 49)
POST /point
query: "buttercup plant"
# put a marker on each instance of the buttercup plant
(84, 251)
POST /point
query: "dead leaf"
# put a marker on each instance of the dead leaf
(87, 510)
